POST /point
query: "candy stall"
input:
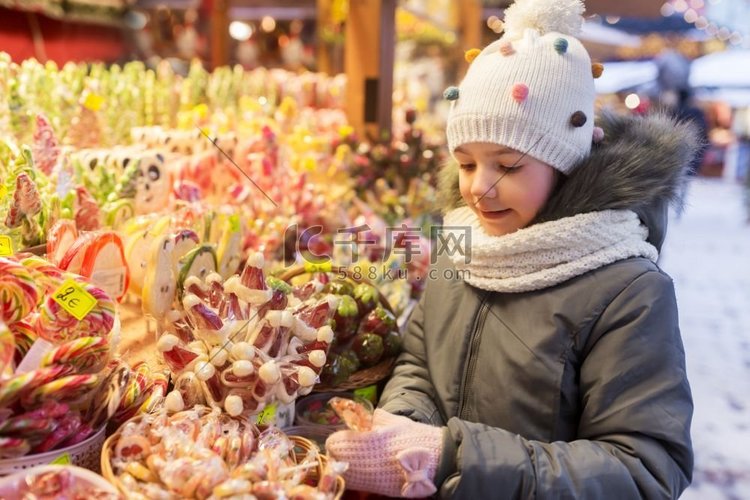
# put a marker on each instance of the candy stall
(202, 275)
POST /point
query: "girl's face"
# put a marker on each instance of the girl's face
(507, 205)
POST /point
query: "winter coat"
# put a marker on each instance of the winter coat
(575, 391)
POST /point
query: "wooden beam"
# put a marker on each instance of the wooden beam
(368, 63)
(219, 33)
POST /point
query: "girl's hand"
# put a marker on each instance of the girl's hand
(397, 458)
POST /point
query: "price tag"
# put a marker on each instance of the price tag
(74, 299)
(201, 110)
(369, 393)
(268, 415)
(6, 246)
(93, 102)
(63, 459)
(318, 267)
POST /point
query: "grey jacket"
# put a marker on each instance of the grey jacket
(575, 391)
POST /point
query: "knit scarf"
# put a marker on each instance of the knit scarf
(545, 254)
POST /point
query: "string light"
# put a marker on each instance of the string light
(691, 14)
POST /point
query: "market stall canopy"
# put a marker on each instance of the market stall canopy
(620, 76)
(598, 33)
(729, 68)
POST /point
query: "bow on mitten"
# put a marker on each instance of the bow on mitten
(397, 458)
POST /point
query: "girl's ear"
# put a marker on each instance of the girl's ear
(449, 194)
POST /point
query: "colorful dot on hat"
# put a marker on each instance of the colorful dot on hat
(561, 45)
(578, 119)
(597, 69)
(506, 49)
(520, 91)
(597, 135)
(471, 54)
(451, 93)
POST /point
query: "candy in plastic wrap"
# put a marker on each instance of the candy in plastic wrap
(356, 414)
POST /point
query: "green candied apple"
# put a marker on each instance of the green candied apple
(336, 371)
(367, 298)
(346, 319)
(392, 344)
(277, 284)
(379, 321)
(351, 357)
(368, 347)
(339, 287)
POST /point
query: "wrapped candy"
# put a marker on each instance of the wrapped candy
(26, 201)
(60, 237)
(87, 213)
(45, 149)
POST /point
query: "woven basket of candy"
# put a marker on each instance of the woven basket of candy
(85, 454)
(203, 452)
(367, 339)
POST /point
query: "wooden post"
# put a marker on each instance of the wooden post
(368, 63)
(219, 33)
(323, 50)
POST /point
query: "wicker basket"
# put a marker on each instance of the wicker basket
(301, 447)
(365, 376)
(84, 454)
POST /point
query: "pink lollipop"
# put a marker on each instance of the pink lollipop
(26, 201)
(45, 149)
(87, 211)
(18, 292)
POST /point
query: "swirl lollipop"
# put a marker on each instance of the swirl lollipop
(85, 354)
(56, 325)
(18, 292)
(7, 351)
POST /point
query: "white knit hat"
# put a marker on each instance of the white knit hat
(532, 90)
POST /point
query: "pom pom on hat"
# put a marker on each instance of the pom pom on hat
(471, 54)
(451, 93)
(506, 49)
(597, 69)
(597, 135)
(578, 119)
(520, 92)
(545, 16)
(561, 45)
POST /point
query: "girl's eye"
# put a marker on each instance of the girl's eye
(467, 166)
(509, 168)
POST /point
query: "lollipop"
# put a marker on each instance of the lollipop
(18, 292)
(45, 149)
(13, 447)
(56, 325)
(26, 201)
(47, 276)
(7, 351)
(86, 354)
(64, 389)
(20, 385)
(24, 335)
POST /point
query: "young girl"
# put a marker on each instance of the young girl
(551, 365)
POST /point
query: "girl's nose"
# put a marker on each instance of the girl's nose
(484, 183)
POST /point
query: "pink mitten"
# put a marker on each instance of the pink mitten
(397, 458)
